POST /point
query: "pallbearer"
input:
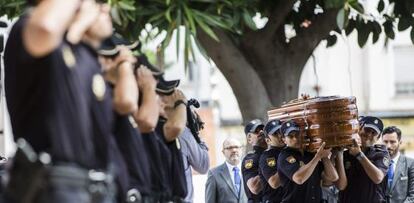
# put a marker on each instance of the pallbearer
(272, 192)
(366, 165)
(301, 172)
(250, 165)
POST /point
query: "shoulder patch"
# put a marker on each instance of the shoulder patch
(68, 56)
(248, 164)
(98, 87)
(291, 159)
(386, 161)
(271, 162)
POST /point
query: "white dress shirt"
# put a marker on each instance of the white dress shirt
(395, 159)
(230, 168)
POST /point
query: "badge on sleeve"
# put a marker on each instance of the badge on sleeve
(248, 164)
(98, 87)
(68, 56)
(291, 159)
(271, 162)
(386, 161)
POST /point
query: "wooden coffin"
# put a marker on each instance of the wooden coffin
(333, 120)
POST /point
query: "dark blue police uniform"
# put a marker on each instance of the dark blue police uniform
(360, 187)
(60, 104)
(250, 169)
(160, 162)
(176, 172)
(268, 167)
(289, 161)
(131, 144)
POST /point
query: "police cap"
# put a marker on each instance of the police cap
(288, 127)
(272, 127)
(372, 122)
(253, 126)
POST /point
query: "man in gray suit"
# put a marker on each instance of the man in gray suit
(400, 176)
(224, 183)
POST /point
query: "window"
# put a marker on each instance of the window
(404, 70)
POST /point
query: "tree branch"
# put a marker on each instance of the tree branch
(307, 40)
(277, 18)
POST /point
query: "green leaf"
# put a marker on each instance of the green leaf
(363, 34)
(403, 24)
(126, 6)
(340, 18)
(249, 20)
(375, 29)
(168, 15)
(357, 6)
(211, 20)
(412, 35)
(116, 17)
(389, 29)
(178, 32)
(334, 3)
(190, 19)
(350, 27)
(331, 40)
(206, 28)
(381, 6)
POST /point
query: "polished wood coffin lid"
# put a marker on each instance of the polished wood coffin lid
(332, 119)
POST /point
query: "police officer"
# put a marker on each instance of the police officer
(131, 120)
(171, 124)
(366, 165)
(57, 99)
(250, 164)
(301, 172)
(272, 191)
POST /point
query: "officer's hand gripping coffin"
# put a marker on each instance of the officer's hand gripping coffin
(333, 120)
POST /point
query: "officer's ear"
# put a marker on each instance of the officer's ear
(268, 140)
(249, 137)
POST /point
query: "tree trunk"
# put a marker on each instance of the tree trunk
(265, 71)
(248, 88)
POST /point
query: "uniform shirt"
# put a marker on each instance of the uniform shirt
(289, 161)
(250, 169)
(360, 187)
(59, 102)
(160, 162)
(268, 167)
(176, 172)
(131, 144)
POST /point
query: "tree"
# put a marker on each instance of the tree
(262, 65)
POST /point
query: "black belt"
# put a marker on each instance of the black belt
(98, 183)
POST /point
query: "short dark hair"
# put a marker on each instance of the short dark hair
(392, 129)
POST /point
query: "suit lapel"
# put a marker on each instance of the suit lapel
(401, 164)
(225, 174)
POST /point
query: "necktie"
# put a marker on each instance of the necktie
(390, 173)
(237, 180)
